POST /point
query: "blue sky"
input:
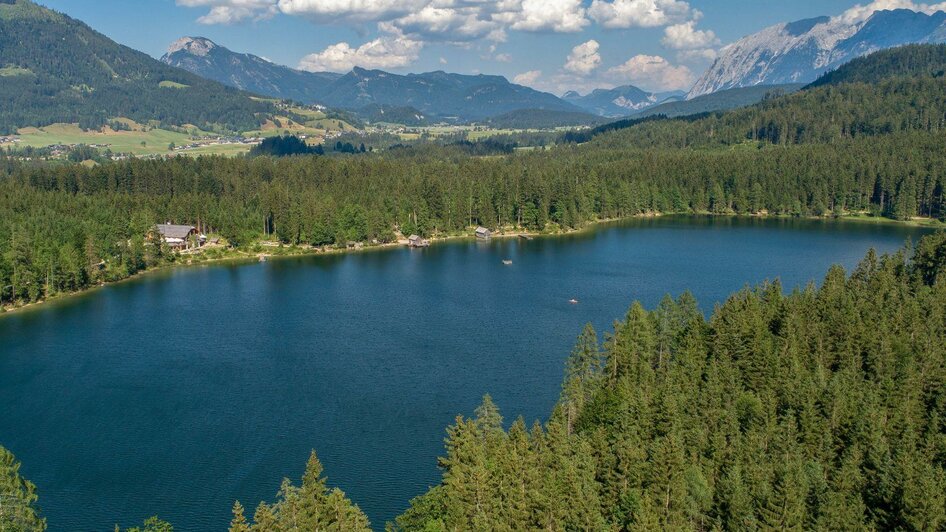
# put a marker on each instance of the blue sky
(553, 45)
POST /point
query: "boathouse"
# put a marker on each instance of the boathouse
(483, 233)
(416, 241)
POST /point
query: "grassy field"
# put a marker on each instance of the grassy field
(11, 71)
(227, 150)
(141, 140)
(172, 85)
(317, 124)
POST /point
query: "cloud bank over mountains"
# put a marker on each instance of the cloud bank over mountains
(401, 29)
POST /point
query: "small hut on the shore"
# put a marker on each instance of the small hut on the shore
(483, 233)
(415, 241)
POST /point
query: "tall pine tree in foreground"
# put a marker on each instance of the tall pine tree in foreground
(18, 498)
(311, 506)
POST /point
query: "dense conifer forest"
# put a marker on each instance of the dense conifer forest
(67, 227)
(822, 409)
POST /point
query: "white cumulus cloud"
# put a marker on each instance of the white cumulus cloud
(464, 23)
(383, 52)
(685, 36)
(862, 12)
(328, 11)
(640, 13)
(232, 11)
(528, 78)
(564, 16)
(652, 72)
(584, 58)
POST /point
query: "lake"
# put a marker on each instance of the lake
(179, 392)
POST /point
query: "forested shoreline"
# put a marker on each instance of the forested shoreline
(68, 227)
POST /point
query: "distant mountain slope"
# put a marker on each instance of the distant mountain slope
(800, 52)
(57, 69)
(889, 92)
(619, 101)
(437, 95)
(245, 71)
(407, 116)
(718, 101)
(544, 119)
(440, 94)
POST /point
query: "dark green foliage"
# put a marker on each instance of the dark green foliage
(18, 509)
(66, 227)
(912, 60)
(152, 524)
(281, 146)
(817, 410)
(311, 506)
(78, 75)
(543, 119)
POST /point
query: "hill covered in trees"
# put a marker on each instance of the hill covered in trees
(905, 92)
(57, 69)
(817, 410)
(906, 61)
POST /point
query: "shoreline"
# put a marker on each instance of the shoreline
(288, 251)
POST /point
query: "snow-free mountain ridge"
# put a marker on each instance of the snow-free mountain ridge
(800, 52)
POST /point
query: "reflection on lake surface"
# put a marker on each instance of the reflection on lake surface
(177, 393)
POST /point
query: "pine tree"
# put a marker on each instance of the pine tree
(238, 523)
(18, 498)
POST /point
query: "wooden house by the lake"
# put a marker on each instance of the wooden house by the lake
(483, 233)
(416, 241)
(179, 236)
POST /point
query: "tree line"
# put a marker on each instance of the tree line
(67, 226)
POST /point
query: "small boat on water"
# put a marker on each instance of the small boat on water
(573, 301)
(507, 262)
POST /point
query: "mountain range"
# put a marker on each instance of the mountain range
(800, 52)
(620, 101)
(57, 69)
(246, 71)
(438, 94)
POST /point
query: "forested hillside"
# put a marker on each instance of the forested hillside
(822, 409)
(67, 227)
(57, 69)
(906, 61)
(888, 92)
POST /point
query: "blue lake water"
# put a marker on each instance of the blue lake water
(179, 392)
